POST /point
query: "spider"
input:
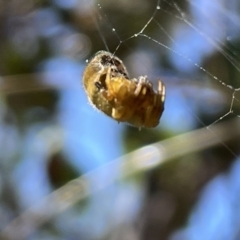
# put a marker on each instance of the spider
(110, 89)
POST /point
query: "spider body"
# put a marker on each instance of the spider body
(110, 89)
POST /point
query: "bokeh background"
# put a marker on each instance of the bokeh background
(50, 134)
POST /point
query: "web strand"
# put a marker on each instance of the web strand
(219, 45)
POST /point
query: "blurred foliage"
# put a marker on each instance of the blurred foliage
(49, 136)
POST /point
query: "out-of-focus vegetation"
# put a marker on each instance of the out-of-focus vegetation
(50, 135)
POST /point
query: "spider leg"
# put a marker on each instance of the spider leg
(109, 92)
(108, 76)
(117, 113)
(143, 86)
(115, 93)
(154, 111)
(161, 91)
(140, 86)
(116, 86)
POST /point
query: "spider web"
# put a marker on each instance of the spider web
(198, 34)
(176, 41)
(192, 46)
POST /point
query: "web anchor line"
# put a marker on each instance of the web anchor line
(181, 16)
